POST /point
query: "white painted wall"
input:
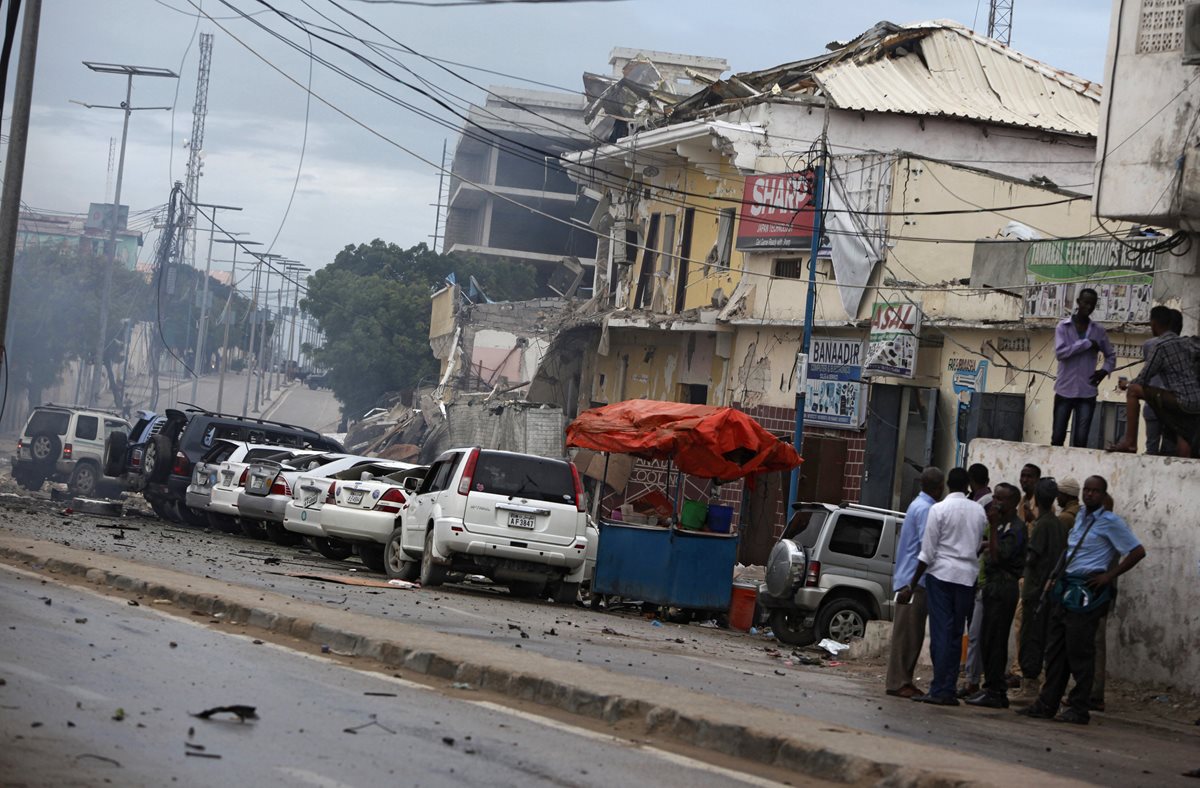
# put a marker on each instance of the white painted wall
(1019, 153)
(1147, 123)
(1153, 632)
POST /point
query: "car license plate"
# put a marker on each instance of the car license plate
(521, 521)
(310, 499)
(228, 477)
(354, 496)
(258, 482)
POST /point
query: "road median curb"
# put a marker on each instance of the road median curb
(785, 741)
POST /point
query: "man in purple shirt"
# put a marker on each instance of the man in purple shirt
(1077, 340)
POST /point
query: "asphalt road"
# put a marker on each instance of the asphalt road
(96, 691)
(295, 404)
(1111, 751)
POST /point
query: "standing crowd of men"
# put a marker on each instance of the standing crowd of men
(986, 562)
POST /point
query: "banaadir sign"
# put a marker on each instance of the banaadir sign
(834, 390)
(777, 212)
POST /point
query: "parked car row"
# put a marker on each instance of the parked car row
(519, 520)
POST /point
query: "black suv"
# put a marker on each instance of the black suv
(161, 466)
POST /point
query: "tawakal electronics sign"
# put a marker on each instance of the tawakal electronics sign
(834, 391)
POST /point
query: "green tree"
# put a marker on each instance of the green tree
(373, 305)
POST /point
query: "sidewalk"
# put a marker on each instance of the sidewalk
(793, 742)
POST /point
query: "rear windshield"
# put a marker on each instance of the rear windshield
(805, 526)
(200, 435)
(218, 453)
(536, 478)
(51, 421)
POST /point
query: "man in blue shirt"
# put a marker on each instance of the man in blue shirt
(1071, 635)
(908, 622)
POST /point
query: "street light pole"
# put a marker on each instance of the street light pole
(297, 271)
(106, 292)
(203, 332)
(224, 363)
(262, 258)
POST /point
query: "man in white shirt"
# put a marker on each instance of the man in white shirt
(950, 556)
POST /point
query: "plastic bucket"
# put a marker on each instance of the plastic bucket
(693, 515)
(720, 518)
(741, 607)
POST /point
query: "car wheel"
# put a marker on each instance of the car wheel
(83, 480)
(565, 593)
(397, 564)
(372, 556)
(842, 619)
(280, 535)
(193, 517)
(788, 626)
(527, 589)
(115, 448)
(31, 479)
(252, 528)
(431, 574)
(333, 549)
(156, 461)
(46, 448)
(222, 522)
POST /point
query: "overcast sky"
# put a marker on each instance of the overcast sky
(353, 186)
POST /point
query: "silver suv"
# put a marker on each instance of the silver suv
(65, 444)
(831, 572)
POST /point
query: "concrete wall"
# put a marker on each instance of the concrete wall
(651, 364)
(1149, 127)
(1153, 632)
(509, 426)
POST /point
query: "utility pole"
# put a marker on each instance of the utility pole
(127, 109)
(1000, 20)
(809, 314)
(14, 168)
(263, 259)
(253, 325)
(437, 217)
(195, 146)
(228, 318)
(201, 335)
(300, 272)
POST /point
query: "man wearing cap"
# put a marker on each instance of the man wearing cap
(1068, 502)
(1079, 602)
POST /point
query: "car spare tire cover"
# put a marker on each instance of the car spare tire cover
(786, 562)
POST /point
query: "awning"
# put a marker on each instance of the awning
(702, 440)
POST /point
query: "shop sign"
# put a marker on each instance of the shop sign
(1123, 278)
(834, 391)
(777, 212)
(892, 343)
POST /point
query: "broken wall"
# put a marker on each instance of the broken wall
(507, 426)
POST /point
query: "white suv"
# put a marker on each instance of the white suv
(518, 519)
(65, 444)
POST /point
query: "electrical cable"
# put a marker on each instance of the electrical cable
(175, 101)
(303, 149)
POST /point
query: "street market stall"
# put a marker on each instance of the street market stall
(676, 560)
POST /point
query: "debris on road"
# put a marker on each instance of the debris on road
(373, 723)
(95, 757)
(81, 621)
(196, 754)
(832, 646)
(347, 580)
(242, 712)
(461, 685)
(119, 714)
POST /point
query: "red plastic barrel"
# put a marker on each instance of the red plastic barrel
(741, 607)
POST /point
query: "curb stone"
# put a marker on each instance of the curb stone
(788, 752)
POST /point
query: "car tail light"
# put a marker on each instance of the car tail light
(464, 484)
(331, 496)
(242, 478)
(579, 504)
(391, 501)
(181, 467)
(20, 444)
(68, 450)
(281, 487)
(813, 576)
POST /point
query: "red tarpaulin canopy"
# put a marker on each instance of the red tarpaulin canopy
(702, 440)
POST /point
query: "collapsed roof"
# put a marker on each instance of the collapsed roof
(938, 68)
